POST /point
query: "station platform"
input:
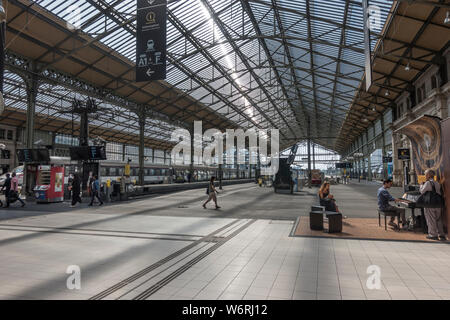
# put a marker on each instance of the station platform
(169, 247)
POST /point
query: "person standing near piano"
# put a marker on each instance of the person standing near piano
(383, 204)
(433, 216)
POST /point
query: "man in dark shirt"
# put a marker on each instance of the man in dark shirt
(95, 188)
(383, 203)
(7, 188)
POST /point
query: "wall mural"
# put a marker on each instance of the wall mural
(425, 136)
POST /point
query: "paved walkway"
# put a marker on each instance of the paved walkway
(168, 247)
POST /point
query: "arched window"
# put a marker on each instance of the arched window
(419, 95)
(400, 110)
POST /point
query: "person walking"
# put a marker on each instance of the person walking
(6, 188)
(211, 191)
(95, 190)
(14, 192)
(433, 216)
(76, 189)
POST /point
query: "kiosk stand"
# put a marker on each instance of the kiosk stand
(49, 184)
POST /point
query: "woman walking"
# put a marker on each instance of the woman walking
(211, 191)
(327, 199)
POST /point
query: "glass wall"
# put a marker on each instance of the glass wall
(114, 151)
(376, 164)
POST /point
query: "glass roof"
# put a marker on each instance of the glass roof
(260, 63)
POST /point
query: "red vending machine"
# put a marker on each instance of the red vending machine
(49, 184)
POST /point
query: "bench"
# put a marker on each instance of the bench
(387, 214)
(316, 219)
(334, 222)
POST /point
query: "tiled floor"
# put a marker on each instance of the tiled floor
(172, 257)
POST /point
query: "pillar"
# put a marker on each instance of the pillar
(142, 119)
(2, 50)
(313, 156)
(383, 147)
(191, 165)
(397, 170)
(32, 86)
(236, 165)
(220, 176)
(258, 165)
(309, 154)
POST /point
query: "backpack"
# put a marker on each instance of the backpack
(430, 199)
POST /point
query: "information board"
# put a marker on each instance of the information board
(344, 165)
(97, 153)
(33, 155)
(404, 154)
(387, 159)
(88, 153)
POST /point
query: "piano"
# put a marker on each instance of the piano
(408, 200)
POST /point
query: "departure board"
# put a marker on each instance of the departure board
(33, 155)
(88, 153)
(97, 153)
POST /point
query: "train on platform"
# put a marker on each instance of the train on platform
(153, 173)
(161, 173)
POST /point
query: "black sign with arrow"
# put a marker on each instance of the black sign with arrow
(151, 40)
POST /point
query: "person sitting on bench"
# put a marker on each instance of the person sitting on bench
(383, 204)
(327, 199)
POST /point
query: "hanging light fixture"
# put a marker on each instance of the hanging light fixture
(3, 12)
(387, 93)
(407, 67)
(447, 18)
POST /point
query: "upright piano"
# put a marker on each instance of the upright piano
(409, 200)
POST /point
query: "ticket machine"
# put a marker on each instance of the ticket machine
(49, 184)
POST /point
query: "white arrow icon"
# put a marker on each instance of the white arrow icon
(150, 2)
(150, 72)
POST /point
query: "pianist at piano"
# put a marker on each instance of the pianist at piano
(433, 216)
(383, 204)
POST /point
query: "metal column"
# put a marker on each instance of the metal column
(141, 145)
(313, 156)
(191, 166)
(383, 148)
(32, 88)
(309, 154)
(2, 49)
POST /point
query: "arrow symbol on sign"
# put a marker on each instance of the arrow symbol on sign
(150, 72)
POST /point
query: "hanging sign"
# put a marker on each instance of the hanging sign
(151, 40)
